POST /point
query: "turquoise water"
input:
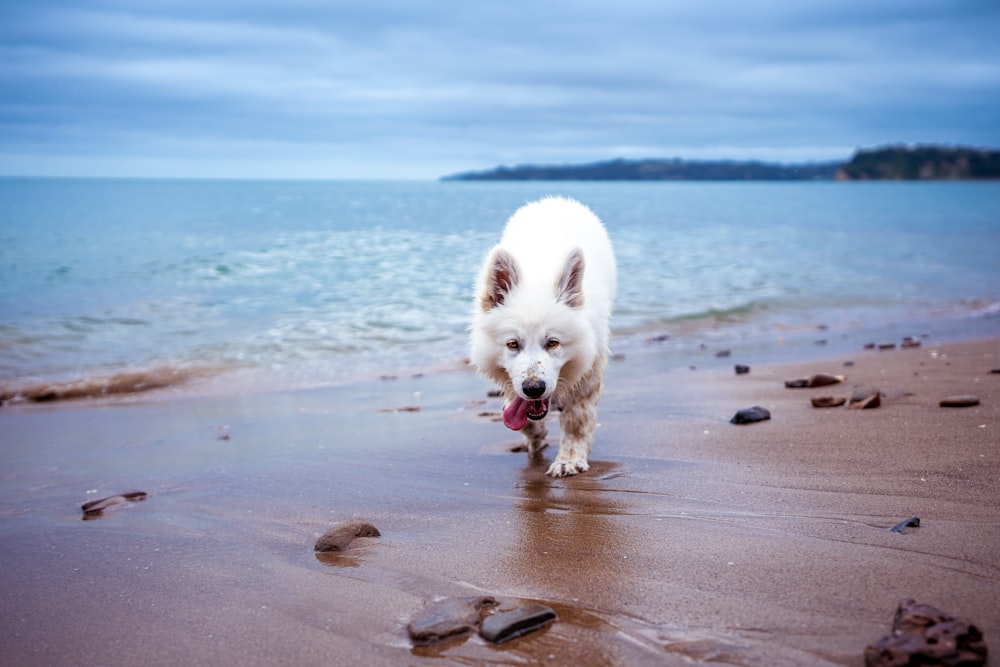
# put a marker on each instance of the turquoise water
(316, 282)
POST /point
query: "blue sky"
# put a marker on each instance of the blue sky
(393, 89)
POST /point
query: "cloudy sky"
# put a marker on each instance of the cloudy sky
(406, 89)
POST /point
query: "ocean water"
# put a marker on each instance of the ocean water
(309, 283)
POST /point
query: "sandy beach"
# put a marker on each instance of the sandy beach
(690, 540)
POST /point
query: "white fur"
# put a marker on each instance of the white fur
(544, 300)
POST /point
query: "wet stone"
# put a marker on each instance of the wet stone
(924, 635)
(965, 401)
(503, 627)
(828, 402)
(912, 522)
(865, 398)
(95, 508)
(741, 369)
(818, 380)
(750, 415)
(340, 537)
(448, 618)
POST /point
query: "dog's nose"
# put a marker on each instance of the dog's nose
(533, 388)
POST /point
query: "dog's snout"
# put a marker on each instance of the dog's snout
(533, 388)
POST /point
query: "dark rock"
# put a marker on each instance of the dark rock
(658, 338)
(723, 353)
(95, 508)
(966, 401)
(924, 635)
(818, 380)
(741, 369)
(910, 341)
(995, 370)
(340, 537)
(448, 618)
(828, 402)
(509, 625)
(750, 415)
(912, 522)
(869, 346)
(887, 346)
(865, 398)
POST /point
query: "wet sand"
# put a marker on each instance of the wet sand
(690, 539)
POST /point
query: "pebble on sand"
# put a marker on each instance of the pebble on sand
(818, 380)
(499, 628)
(340, 536)
(964, 401)
(828, 402)
(924, 635)
(750, 415)
(865, 398)
(95, 508)
(448, 618)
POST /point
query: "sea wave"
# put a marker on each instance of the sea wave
(118, 384)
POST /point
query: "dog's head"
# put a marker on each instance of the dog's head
(531, 337)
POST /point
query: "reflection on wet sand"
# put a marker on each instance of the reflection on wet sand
(568, 540)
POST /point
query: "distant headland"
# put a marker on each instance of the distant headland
(887, 163)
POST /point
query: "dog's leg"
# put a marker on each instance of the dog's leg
(578, 421)
(534, 435)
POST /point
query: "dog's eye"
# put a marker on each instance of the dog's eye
(552, 344)
(513, 345)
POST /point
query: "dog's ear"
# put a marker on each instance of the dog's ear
(500, 279)
(569, 289)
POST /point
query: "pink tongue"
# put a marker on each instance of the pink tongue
(516, 414)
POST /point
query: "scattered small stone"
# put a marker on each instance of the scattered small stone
(818, 380)
(448, 618)
(405, 408)
(741, 369)
(965, 401)
(828, 402)
(887, 346)
(340, 537)
(618, 357)
(869, 346)
(821, 341)
(658, 338)
(865, 398)
(750, 415)
(500, 628)
(848, 363)
(95, 508)
(723, 353)
(910, 341)
(387, 378)
(912, 522)
(924, 635)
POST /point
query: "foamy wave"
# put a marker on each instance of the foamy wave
(97, 387)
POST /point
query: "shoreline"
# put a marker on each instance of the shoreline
(689, 539)
(709, 346)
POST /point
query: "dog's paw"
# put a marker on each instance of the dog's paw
(568, 467)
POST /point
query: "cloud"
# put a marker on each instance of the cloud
(397, 89)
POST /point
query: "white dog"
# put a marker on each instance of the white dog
(541, 324)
